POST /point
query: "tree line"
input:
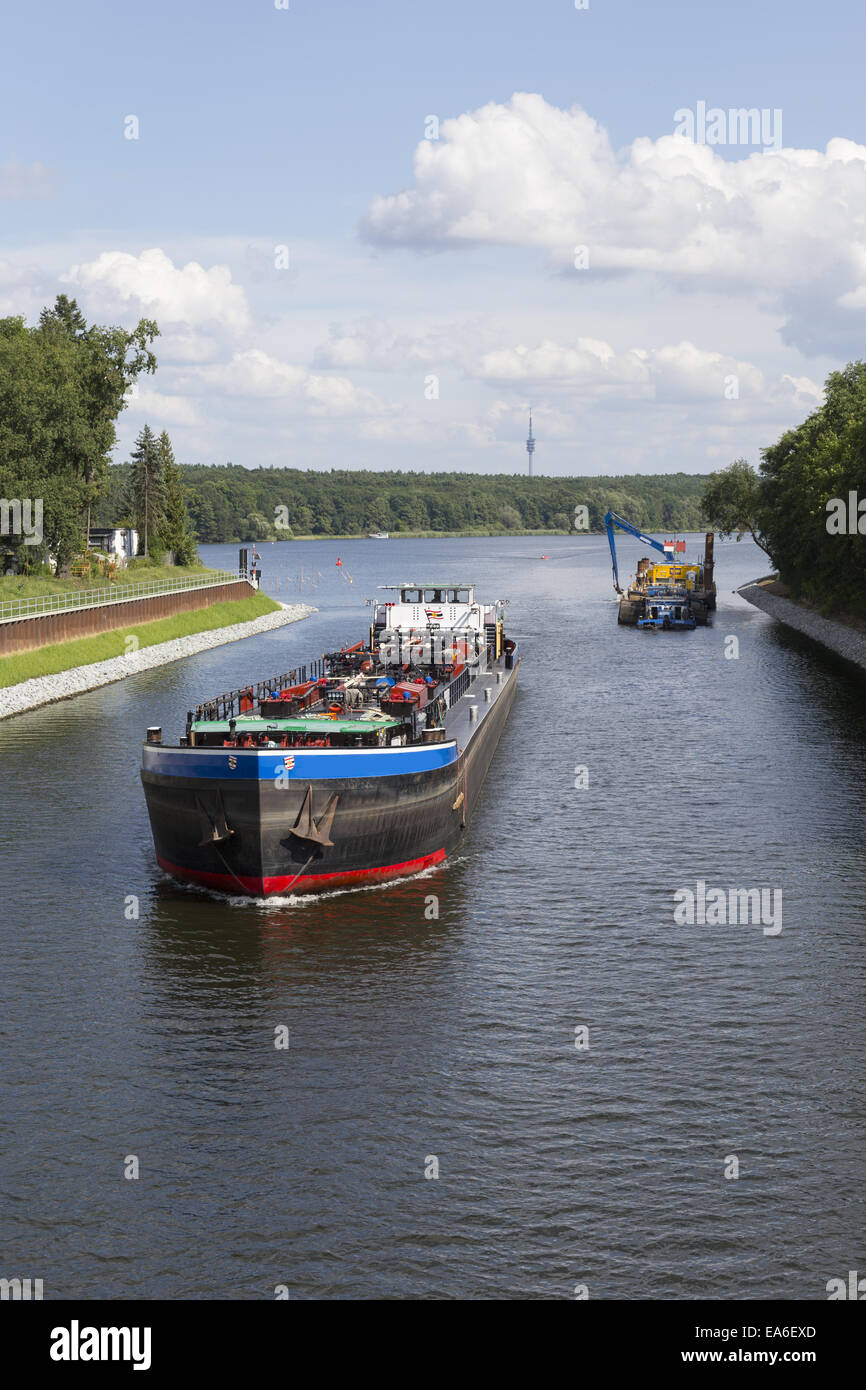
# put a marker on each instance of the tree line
(803, 505)
(231, 503)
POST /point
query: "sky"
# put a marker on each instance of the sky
(374, 233)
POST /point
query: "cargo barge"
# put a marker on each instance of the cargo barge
(363, 766)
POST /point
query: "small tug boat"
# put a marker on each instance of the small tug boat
(360, 767)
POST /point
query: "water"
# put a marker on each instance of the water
(414, 1038)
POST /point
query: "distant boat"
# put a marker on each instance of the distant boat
(378, 536)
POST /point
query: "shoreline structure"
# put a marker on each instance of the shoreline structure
(838, 637)
(46, 690)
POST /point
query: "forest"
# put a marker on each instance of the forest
(231, 503)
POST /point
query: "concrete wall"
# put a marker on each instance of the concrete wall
(23, 634)
(845, 641)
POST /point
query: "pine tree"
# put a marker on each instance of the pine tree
(148, 487)
(176, 532)
(65, 317)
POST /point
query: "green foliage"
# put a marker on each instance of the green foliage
(64, 656)
(42, 582)
(176, 532)
(230, 503)
(822, 459)
(733, 502)
(62, 387)
(787, 507)
(256, 527)
(147, 491)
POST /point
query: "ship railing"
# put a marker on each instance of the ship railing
(241, 701)
(45, 604)
(459, 686)
(229, 705)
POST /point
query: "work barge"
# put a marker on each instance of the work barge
(361, 766)
(671, 595)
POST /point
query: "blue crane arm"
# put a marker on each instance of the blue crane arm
(611, 520)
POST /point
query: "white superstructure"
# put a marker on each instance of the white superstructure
(435, 624)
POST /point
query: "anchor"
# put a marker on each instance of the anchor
(215, 826)
(305, 828)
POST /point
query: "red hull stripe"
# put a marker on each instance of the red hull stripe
(262, 887)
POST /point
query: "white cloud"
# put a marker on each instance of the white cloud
(182, 344)
(590, 367)
(374, 344)
(255, 373)
(788, 225)
(160, 408)
(550, 362)
(172, 294)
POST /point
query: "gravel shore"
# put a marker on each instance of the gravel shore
(845, 641)
(44, 690)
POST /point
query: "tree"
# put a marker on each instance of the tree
(108, 362)
(65, 317)
(176, 532)
(203, 517)
(821, 461)
(148, 487)
(733, 502)
(62, 387)
(378, 514)
(302, 520)
(255, 527)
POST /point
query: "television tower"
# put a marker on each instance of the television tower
(530, 445)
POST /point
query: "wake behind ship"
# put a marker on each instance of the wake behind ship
(362, 768)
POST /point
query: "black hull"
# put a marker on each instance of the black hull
(245, 836)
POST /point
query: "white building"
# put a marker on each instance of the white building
(115, 540)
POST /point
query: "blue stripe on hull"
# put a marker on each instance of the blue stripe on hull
(314, 764)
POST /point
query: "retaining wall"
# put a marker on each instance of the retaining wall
(23, 634)
(45, 690)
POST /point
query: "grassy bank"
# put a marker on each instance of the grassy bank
(14, 586)
(82, 651)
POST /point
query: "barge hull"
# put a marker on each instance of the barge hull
(275, 827)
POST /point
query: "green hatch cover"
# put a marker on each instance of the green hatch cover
(312, 725)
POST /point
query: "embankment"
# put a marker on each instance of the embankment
(214, 627)
(111, 607)
(839, 637)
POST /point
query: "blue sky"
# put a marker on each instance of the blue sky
(414, 332)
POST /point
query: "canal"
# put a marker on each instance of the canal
(611, 1097)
